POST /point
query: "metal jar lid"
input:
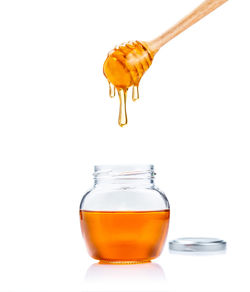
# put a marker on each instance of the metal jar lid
(197, 244)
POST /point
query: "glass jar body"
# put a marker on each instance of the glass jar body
(124, 217)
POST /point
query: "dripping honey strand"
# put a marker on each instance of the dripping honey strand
(135, 93)
(122, 112)
(111, 90)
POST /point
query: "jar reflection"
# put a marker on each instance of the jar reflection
(143, 277)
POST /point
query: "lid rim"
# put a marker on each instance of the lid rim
(197, 244)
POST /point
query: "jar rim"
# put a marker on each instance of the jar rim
(123, 170)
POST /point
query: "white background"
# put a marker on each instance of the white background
(192, 122)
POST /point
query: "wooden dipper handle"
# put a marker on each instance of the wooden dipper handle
(201, 11)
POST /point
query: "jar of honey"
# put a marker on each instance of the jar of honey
(124, 217)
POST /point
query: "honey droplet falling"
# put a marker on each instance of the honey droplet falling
(111, 90)
(122, 121)
(135, 93)
(124, 67)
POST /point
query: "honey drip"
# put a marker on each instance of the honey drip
(124, 67)
(122, 112)
(135, 93)
(124, 237)
(111, 90)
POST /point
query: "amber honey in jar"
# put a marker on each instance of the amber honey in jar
(124, 217)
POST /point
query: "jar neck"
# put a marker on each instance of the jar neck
(124, 175)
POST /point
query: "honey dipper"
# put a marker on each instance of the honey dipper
(126, 64)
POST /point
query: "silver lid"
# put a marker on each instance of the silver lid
(197, 244)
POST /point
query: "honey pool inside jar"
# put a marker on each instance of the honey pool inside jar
(124, 237)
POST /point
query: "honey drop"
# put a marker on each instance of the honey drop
(135, 93)
(122, 121)
(111, 90)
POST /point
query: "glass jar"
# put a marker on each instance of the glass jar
(124, 217)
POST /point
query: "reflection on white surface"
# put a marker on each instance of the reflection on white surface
(201, 253)
(140, 277)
